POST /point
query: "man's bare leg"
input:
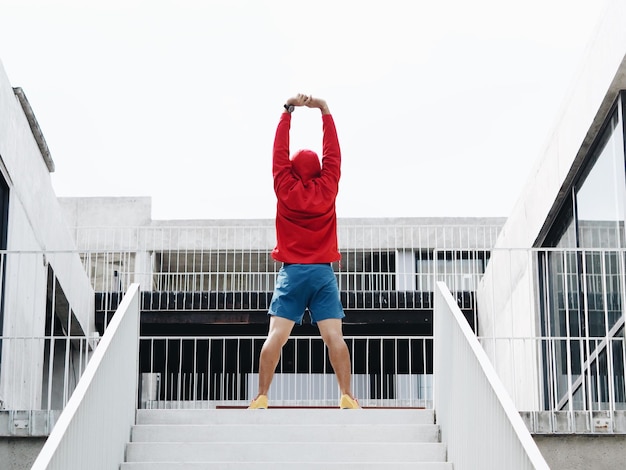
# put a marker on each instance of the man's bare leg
(280, 329)
(338, 353)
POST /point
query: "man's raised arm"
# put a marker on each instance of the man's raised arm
(317, 103)
(280, 161)
(331, 153)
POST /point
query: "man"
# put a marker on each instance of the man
(306, 234)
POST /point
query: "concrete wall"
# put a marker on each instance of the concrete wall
(593, 93)
(582, 452)
(19, 453)
(36, 222)
(510, 301)
(107, 211)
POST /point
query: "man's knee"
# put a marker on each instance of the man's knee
(275, 341)
(331, 331)
(280, 329)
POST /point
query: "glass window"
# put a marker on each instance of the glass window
(583, 300)
(600, 198)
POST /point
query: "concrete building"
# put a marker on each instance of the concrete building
(34, 283)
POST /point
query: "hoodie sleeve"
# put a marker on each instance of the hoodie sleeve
(331, 153)
(280, 160)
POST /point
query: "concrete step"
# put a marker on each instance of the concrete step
(286, 438)
(326, 416)
(286, 432)
(286, 466)
(331, 452)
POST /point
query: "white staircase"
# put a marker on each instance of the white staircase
(285, 438)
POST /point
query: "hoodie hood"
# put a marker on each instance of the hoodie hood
(305, 164)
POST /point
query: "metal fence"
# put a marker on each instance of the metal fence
(552, 323)
(550, 320)
(47, 318)
(40, 373)
(205, 372)
(231, 268)
(47, 305)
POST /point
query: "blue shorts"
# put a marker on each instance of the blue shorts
(306, 286)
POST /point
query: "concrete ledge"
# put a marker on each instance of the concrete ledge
(27, 423)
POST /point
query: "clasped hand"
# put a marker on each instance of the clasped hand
(306, 100)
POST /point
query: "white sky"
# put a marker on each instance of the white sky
(442, 106)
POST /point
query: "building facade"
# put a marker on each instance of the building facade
(206, 281)
(557, 269)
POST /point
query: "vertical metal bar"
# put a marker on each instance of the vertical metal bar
(587, 386)
(179, 384)
(395, 381)
(325, 397)
(622, 279)
(434, 255)
(425, 371)
(295, 368)
(223, 386)
(51, 349)
(237, 395)
(609, 344)
(195, 371)
(410, 374)
(382, 369)
(210, 378)
(66, 392)
(568, 364)
(204, 377)
(166, 371)
(158, 391)
(367, 370)
(309, 395)
(623, 346)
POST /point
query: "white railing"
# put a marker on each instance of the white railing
(204, 372)
(552, 323)
(576, 385)
(47, 329)
(479, 422)
(94, 427)
(215, 237)
(49, 386)
(382, 266)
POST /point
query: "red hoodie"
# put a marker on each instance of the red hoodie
(306, 223)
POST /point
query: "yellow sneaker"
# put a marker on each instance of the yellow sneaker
(259, 403)
(348, 403)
